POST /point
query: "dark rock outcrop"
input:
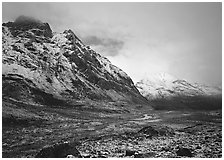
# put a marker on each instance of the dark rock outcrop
(23, 24)
(129, 153)
(184, 152)
(62, 150)
(145, 155)
(151, 131)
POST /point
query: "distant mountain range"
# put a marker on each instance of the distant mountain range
(39, 66)
(163, 85)
(166, 92)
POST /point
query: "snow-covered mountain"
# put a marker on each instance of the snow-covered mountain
(163, 85)
(39, 66)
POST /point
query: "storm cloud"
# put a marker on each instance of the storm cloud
(109, 46)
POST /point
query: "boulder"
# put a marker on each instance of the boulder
(70, 156)
(184, 152)
(129, 153)
(60, 150)
(149, 131)
(145, 155)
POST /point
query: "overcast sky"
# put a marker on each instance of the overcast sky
(182, 39)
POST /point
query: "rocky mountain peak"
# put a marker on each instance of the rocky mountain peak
(160, 77)
(24, 26)
(70, 36)
(39, 67)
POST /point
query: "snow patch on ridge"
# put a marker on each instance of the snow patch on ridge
(163, 85)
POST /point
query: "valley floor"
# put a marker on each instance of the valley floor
(198, 141)
(111, 130)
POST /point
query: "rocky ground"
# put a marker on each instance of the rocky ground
(109, 131)
(196, 141)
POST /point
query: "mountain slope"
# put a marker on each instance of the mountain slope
(39, 66)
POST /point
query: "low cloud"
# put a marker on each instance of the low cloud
(108, 46)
